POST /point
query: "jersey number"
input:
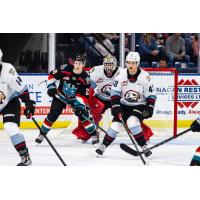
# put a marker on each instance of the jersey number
(19, 80)
(87, 92)
(115, 83)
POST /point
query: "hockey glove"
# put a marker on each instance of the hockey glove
(52, 90)
(80, 110)
(30, 109)
(148, 111)
(195, 126)
(116, 110)
(138, 112)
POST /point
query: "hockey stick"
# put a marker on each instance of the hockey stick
(86, 118)
(64, 100)
(51, 145)
(138, 153)
(130, 136)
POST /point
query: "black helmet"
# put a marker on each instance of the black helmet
(79, 57)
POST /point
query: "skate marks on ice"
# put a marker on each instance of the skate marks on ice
(75, 153)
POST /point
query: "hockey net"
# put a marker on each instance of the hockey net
(164, 120)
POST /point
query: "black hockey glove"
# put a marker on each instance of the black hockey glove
(138, 112)
(116, 110)
(80, 110)
(30, 109)
(52, 90)
(148, 111)
(195, 126)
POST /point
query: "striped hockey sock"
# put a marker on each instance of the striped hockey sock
(89, 127)
(19, 143)
(196, 158)
(140, 139)
(46, 126)
(108, 140)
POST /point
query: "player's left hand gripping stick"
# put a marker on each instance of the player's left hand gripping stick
(51, 145)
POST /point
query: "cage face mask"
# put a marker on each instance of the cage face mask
(110, 64)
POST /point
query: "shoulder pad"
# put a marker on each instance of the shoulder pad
(144, 76)
(9, 69)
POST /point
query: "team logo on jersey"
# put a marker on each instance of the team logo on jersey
(12, 71)
(131, 96)
(106, 89)
(100, 80)
(148, 78)
(2, 97)
(92, 70)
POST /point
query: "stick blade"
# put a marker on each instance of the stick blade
(129, 150)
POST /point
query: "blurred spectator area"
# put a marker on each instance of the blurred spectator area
(28, 52)
(95, 45)
(178, 50)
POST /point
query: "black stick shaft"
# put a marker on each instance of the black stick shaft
(169, 139)
(129, 134)
(51, 145)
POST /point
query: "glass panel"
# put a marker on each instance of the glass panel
(95, 46)
(26, 51)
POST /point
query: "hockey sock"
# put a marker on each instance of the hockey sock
(89, 127)
(19, 144)
(196, 158)
(46, 126)
(107, 140)
(140, 139)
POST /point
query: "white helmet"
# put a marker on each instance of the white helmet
(1, 55)
(133, 57)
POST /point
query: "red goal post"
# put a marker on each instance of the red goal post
(173, 96)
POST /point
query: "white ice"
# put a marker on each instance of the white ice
(176, 153)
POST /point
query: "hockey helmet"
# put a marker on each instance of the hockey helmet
(79, 57)
(133, 57)
(110, 63)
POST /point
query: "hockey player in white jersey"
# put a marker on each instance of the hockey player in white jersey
(132, 96)
(102, 78)
(12, 88)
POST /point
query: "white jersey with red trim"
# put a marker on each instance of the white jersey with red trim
(11, 84)
(102, 83)
(133, 92)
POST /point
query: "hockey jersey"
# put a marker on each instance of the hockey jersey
(101, 83)
(133, 90)
(11, 85)
(67, 78)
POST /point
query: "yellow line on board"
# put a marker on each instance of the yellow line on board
(151, 123)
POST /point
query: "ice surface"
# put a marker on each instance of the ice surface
(75, 153)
